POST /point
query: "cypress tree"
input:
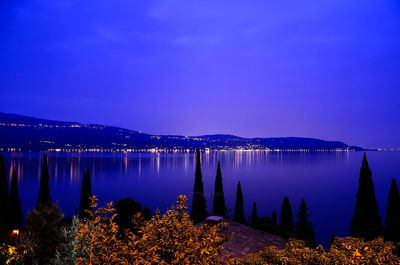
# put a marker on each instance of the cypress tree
(3, 180)
(366, 221)
(312, 243)
(3, 197)
(333, 236)
(15, 216)
(86, 193)
(219, 198)
(391, 230)
(254, 216)
(44, 199)
(286, 220)
(199, 210)
(304, 229)
(238, 215)
(274, 218)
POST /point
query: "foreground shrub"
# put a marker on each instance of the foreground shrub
(67, 254)
(344, 251)
(43, 236)
(168, 239)
(96, 238)
(7, 254)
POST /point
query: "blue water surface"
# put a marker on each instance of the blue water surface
(328, 181)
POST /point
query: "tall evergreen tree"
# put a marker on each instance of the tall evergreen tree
(3, 197)
(312, 243)
(286, 220)
(15, 217)
(219, 208)
(274, 218)
(44, 199)
(86, 193)
(366, 221)
(304, 228)
(254, 216)
(332, 241)
(238, 215)
(199, 208)
(391, 231)
(3, 180)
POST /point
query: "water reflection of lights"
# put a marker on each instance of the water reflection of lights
(126, 164)
(140, 166)
(158, 163)
(186, 162)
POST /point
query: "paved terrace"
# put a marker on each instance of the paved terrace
(247, 240)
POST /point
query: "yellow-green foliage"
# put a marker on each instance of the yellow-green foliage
(96, 238)
(344, 251)
(7, 254)
(168, 239)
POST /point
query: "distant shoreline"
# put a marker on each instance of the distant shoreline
(192, 151)
(22, 133)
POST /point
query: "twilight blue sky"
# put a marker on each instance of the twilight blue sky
(326, 69)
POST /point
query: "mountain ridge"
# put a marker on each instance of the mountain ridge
(24, 133)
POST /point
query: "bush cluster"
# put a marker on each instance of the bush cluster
(344, 251)
(170, 238)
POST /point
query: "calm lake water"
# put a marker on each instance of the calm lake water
(327, 180)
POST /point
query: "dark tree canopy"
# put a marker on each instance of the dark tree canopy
(44, 234)
(366, 221)
(304, 228)
(391, 231)
(86, 194)
(126, 209)
(146, 213)
(238, 215)
(15, 216)
(219, 208)
(3, 180)
(286, 221)
(274, 218)
(199, 208)
(44, 199)
(254, 216)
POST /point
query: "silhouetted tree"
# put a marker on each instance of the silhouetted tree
(3, 180)
(86, 194)
(44, 199)
(391, 230)
(238, 215)
(304, 228)
(146, 213)
(44, 235)
(126, 209)
(274, 218)
(366, 221)
(219, 198)
(15, 216)
(286, 220)
(312, 243)
(332, 240)
(254, 216)
(3, 197)
(199, 210)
